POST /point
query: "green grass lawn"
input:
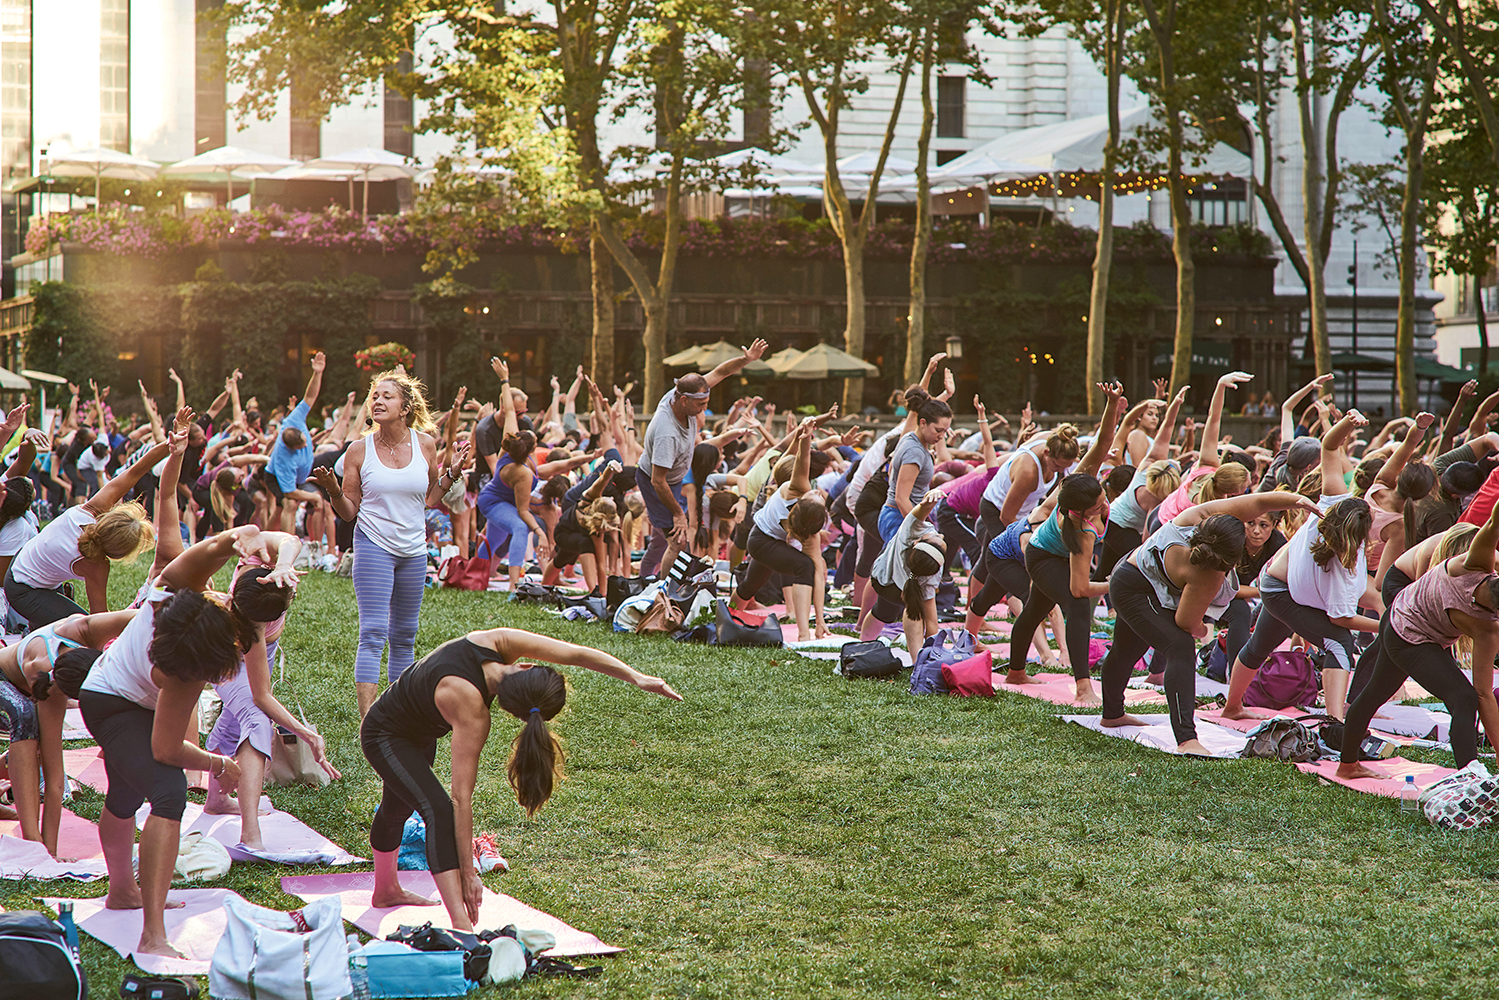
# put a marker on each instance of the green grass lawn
(786, 833)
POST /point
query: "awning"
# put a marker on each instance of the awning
(1430, 368)
(10, 380)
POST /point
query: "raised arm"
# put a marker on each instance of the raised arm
(168, 537)
(1208, 454)
(1113, 405)
(1288, 408)
(931, 369)
(1389, 473)
(508, 422)
(1246, 507)
(315, 384)
(1480, 422)
(181, 392)
(991, 457)
(120, 486)
(1333, 483)
(231, 385)
(732, 366)
(1454, 415)
(197, 565)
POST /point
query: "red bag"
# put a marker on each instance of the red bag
(974, 675)
(468, 574)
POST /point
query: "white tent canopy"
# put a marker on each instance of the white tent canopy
(368, 164)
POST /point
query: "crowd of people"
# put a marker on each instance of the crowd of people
(1378, 555)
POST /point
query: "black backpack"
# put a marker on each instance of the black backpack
(36, 959)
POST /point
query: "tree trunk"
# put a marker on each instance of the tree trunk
(1311, 200)
(1405, 325)
(916, 315)
(602, 264)
(853, 277)
(1103, 256)
(1483, 324)
(1186, 270)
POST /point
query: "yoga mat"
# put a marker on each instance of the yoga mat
(1206, 686)
(497, 910)
(281, 832)
(1061, 689)
(85, 766)
(194, 929)
(23, 859)
(1402, 724)
(1157, 734)
(76, 836)
(1394, 770)
(73, 727)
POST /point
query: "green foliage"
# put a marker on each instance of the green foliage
(70, 334)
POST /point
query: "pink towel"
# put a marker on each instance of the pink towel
(1061, 689)
(1395, 769)
(194, 929)
(282, 833)
(76, 836)
(87, 766)
(496, 911)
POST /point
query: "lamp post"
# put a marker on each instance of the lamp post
(954, 347)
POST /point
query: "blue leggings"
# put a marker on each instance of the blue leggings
(505, 521)
(389, 591)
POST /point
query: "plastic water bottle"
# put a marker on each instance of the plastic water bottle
(1410, 796)
(359, 973)
(70, 929)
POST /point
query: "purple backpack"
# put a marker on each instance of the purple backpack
(946, 646)
(1285, 679)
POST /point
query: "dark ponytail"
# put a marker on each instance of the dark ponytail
(919, 563)
(68, 673)
(1218, 543)
(1415, 483)
(519, 446)
(1077, 493)
(534, 695)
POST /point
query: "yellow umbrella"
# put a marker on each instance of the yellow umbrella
(821, 362)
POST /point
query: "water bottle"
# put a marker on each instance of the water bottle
(1410, 796)
(70, 929)
(359, 973)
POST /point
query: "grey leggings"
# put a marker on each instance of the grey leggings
(1281, 616)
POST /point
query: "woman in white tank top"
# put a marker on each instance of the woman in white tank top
(390, 476)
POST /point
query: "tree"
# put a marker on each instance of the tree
(824, 49)
(1450, 21)
(1410, 64)
(1461, 195)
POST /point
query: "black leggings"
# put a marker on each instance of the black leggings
(769, 555)
(123, 730)
(960, 533)
(1395, 581)
(1430, 666)
(869, 548)
(410, 786)
(1238, 621)
(1143, 624)
(1118, 542)
(1281, 616)
(1051, 586)
(39, 607)
(1001, 577)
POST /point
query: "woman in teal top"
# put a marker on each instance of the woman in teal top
(1059, 559)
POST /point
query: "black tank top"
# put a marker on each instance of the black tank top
(408, 708)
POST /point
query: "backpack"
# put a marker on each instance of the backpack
(1285, 679)
(37, 961)
(1212, 659)
(946, 646)
(1282, 739)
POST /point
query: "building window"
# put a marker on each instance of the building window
(1218, 203)
(948, 155)
(15, 88)
(950, 106)
(114, 74)
(210, 129)
(399, 118)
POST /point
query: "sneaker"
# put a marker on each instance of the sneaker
(487, 855)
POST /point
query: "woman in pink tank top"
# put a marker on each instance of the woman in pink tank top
(1392, 497)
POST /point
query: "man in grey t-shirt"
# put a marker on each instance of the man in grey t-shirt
(667, 456)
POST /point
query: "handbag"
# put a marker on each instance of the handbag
(270, 955)
(734, 632)
(867, 659)
(942, 646)
(293, 762)
(36, 959)
(663, 616)
(1282, 739)
(1286, 679)
(158, 987)
(399, 970)
(619, 589)
(973, 676)
(529, 592)
(468, 574)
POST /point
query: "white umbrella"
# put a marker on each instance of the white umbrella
(369, 163)
(229, 161)
(99, 163)
(43, 377)
(969, 170)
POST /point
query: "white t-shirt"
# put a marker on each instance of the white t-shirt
(125, 668)
(47, 560)
(668, 443)
(16, 533)
(88, 460)
(890, 565)
(1335, 589)
(870, 464)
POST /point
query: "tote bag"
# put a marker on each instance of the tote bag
(270, 955)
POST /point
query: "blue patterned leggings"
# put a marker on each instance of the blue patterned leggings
(389, 591)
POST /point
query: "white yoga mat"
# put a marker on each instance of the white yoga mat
(21, 859)
(287, 839)
(1157, 734)
(194, 929)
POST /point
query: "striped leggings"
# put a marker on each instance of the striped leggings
(389, 591)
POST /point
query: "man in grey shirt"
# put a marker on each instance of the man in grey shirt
(666, 456)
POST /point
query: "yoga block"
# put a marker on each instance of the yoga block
(398, 971)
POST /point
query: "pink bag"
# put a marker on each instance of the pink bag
(1097, 650)
(974, 675)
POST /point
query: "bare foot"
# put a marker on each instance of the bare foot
(1156, 679)
(254, 845)
(1020, 677)
(157, 946)
(1192, 748)
(1241, 713)
(1123, 720)
(1051, 664)
(821, 632)
(123, 897)
(1088, 696)
(400, 897)
(6, 812)
(1356, 770)
(230, 806)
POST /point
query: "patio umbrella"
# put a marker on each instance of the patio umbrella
(10, 380)
(1350, 362)
(710, 356)
(44, 378)
(683, 359)
(229, 161)
(822, 362)
(369, 163)
(99, 163)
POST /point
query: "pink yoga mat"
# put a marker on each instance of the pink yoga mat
(194, 929)
(497, 910)
(87, 766)
(1395, 769)
(76, 836)
(281, 832)
(1215, 716)
(1061, 689)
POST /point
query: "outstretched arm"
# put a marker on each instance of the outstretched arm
(1389, 473)
(1333, 483)
(196, 566)
(516, 644)
(1246, 507)
(315, 384)
(508, 422)
(1288, 408)
(120, 486)
(1449, 426)
(1113, 403)
(732, 366)
(1208, 453)
(1161, 447)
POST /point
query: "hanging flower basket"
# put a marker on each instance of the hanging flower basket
(384, 357)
